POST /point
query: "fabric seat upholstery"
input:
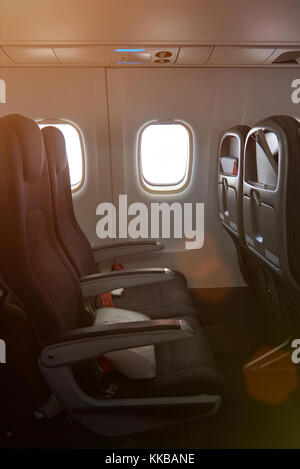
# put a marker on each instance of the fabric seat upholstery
(181, 365)
(162, 300)
(33, 265)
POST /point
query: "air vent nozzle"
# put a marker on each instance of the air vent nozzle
(163, 54)
(162, 61)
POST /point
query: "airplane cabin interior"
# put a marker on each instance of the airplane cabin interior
(150, 224)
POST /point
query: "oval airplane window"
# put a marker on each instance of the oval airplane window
(165, 151)
(74, 148)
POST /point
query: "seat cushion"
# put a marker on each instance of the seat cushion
(135, 363)
(159, 300)
(184, 368)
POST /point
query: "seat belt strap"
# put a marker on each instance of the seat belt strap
(106, 298)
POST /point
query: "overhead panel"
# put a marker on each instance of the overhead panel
(139, 55)
(240, 55)
(31, 55)
(83, 55)
(155, 56)
(194, 55)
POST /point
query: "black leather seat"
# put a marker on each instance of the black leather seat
(230, 187)
(271, 199)
(35, 269)
(157, 300)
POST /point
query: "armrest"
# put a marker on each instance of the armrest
(97, 284)
(90, 342)
(120, 250)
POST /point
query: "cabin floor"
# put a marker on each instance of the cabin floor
(237, 326)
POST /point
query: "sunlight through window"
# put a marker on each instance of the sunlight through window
(165, 156)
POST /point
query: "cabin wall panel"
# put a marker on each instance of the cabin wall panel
(210, 100)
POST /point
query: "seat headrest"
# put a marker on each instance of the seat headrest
(55, 147)
(25, 137)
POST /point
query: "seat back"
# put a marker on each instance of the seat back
(33, 266)
(22, 359)
(230, 185)
(230, 179)
(69, 233)
(271, 196)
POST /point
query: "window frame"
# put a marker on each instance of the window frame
(79, 133)
(165, 188)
